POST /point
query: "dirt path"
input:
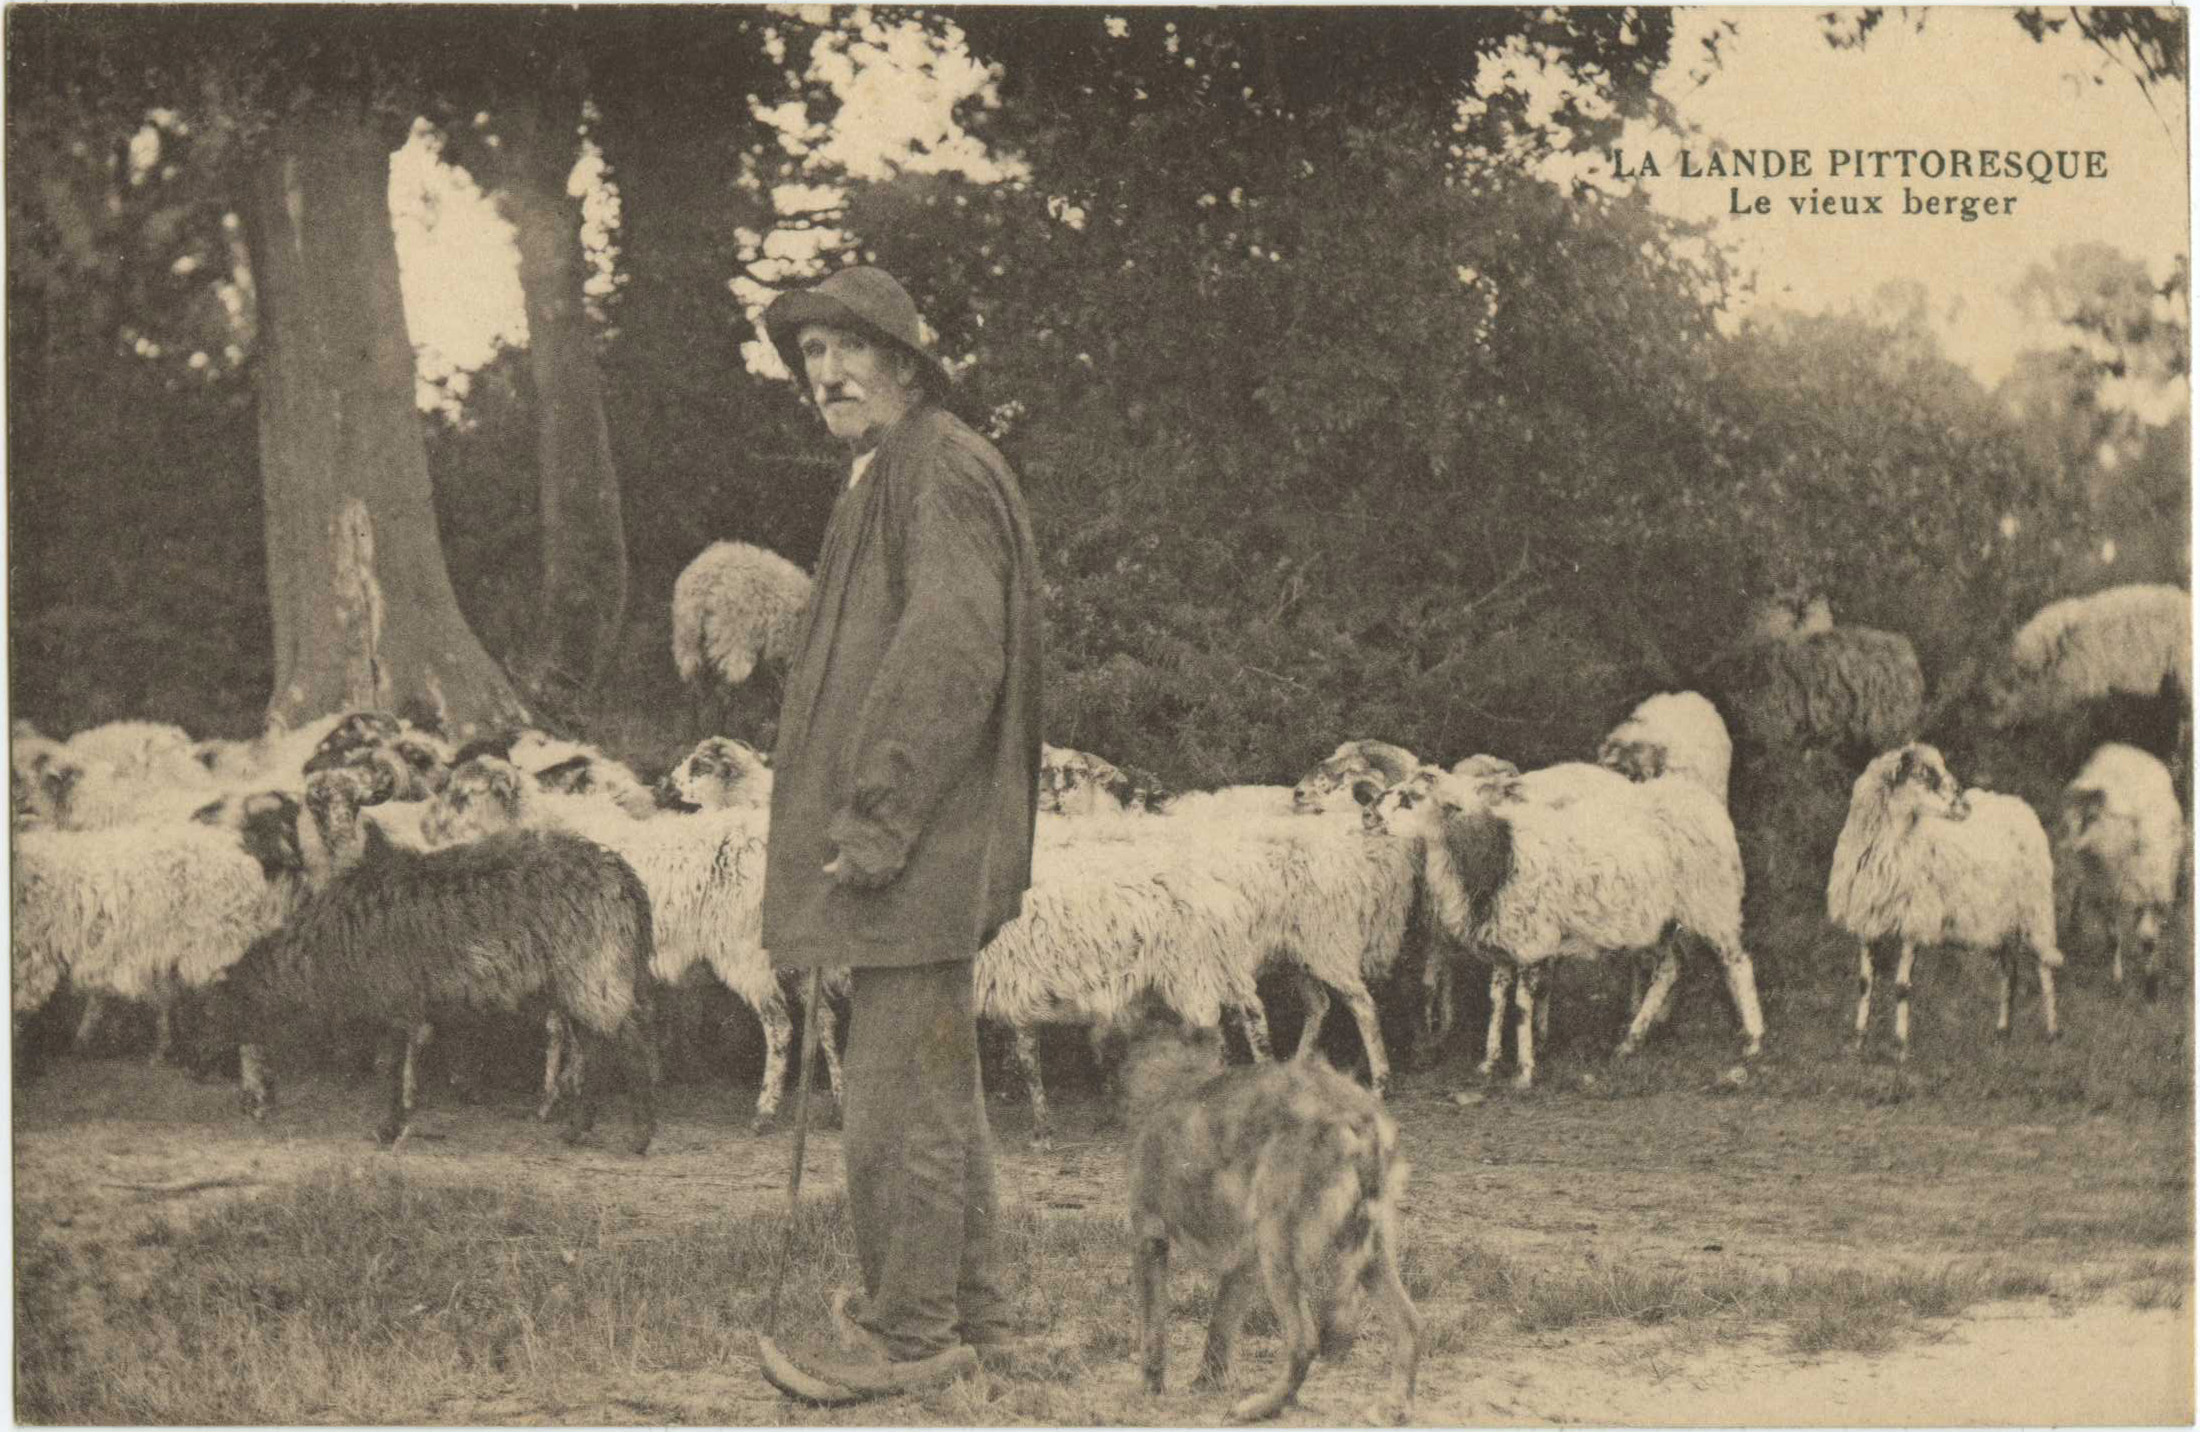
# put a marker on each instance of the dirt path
(1556, 1180)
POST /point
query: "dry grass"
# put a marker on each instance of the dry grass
(388, 1296)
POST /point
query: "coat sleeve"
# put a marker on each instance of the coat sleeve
(928, 709)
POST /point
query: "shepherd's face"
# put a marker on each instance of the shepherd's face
(862, 387)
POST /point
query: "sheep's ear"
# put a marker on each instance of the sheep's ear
(2083, 808)
(1366, 792)
(1904, 768)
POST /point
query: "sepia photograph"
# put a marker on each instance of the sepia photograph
(1010, 715)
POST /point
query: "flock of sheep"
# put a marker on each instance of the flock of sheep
(361, 869)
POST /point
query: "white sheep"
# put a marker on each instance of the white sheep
(1352, 762)
(721, 773)
(1190, 909)
(734, 608)
(1107, 924)
(1923, 862)
(1526, 882)
(565, 766)
(145, 911)
(1673, 733)
(2119, 846)
(705, 876)
(2133, 640)
(1078, 783)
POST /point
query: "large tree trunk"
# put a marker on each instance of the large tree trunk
(584, 566)
(364, 614)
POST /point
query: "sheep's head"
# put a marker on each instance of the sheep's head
(722, 774)
(1349, 764)
(1411, 810)
(334, 798)
(1636, 760)
(266, 823)
(1077, 782)
(1493, 779)
(483, 795)
(425, 762)
(2081, 810)
(44, 778)
(1914, 781)
(358, 731)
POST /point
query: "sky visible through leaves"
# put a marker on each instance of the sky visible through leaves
(1960, 77)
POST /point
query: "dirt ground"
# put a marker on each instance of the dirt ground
(1560, 1178)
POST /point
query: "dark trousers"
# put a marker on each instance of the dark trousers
(919, 1157)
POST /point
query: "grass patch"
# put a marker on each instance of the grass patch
(387, 1296)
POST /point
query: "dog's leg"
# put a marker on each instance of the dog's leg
(1150, 1271)
(1407, 1333)
(1287, 1294)
(1232, 1296)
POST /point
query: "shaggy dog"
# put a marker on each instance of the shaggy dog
(1285, 1175)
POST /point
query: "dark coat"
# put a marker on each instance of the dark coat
(909, 738)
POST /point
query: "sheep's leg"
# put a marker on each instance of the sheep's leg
(253, 1087)
(2116, 956)
(1027, 1059)
(828, 1042)
(1150, 1271)
(2150, 950)
(1653, 1000)
(1502, 977)
(397, 1045)
(2047, 998)
(1741, 983)
(1902, 999)
(1526, 989)
(164, 1027)
(1863, 991)
(1439, 1000)
(1233, 1294)
(2005, 968)
(553, 1058)
(1362, 1005)
(1316, 995)
(639, 1062)
(778, 1031)
(1252, 1018)
(417, 1040)
(580, 1114)
(95, 1010)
